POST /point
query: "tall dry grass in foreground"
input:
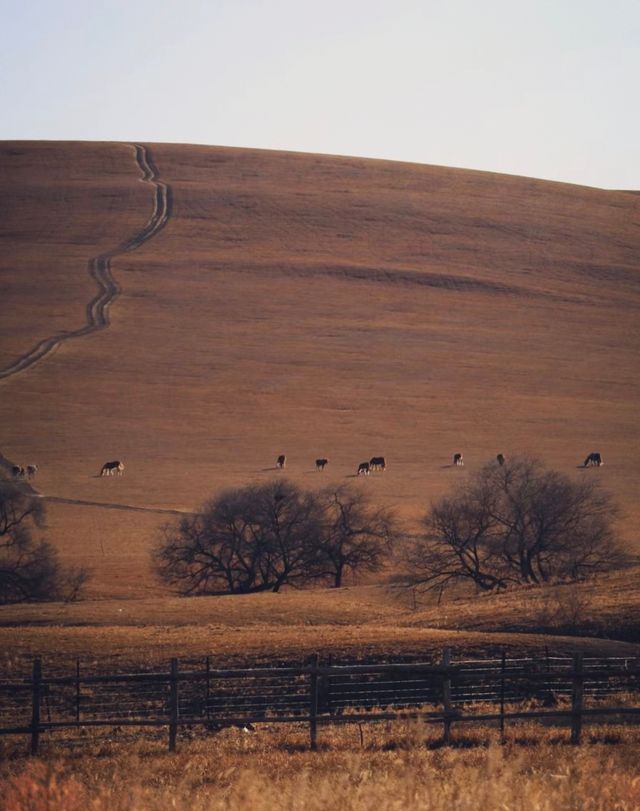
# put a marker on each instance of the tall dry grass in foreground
(390, 767)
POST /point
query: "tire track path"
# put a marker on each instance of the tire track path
(106, 505)
(100, 268)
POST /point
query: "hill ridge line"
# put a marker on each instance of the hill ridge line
(99, 268)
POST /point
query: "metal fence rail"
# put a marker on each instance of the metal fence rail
(319, 693)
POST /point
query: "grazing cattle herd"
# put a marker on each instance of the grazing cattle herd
(380, 463)
(116, 468)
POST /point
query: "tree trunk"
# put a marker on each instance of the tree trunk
(337, 582)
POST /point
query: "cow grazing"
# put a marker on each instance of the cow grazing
(364, 468)
(593, 459)
(321, 463)
(377, 463)
(31, 471)
(500, 459)
(457, 460)
(281, 461)
(112, 469)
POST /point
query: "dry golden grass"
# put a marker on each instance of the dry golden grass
(352, 622)
(608, 605)
(133, 647)
(390, 767)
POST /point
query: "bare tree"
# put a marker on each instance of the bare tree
(250, 539)
(29, 569)
(516, 523)
(356, 536)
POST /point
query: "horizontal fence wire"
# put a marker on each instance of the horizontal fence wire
(84, 695)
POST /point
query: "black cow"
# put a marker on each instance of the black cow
(593, 459)
(457, 460)
(377, 463)
(281, 461)
(500, 459)
(115, 468)
(17, 472)
(364, 469)
(320, 463)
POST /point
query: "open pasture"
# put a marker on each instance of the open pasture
(309, 305)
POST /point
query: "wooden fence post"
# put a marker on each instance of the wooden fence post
(78, 690)
(36, 692)
(577, 696)
(173, 705)
(313, 702)
(503, 667)
(446, 695)
(208, 689)
(327, 687)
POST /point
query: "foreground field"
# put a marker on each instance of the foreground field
(598, 618)
(383, 767)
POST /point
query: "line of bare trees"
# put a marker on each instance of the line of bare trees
(516, 523)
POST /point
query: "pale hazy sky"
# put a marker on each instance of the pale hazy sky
(547, 88)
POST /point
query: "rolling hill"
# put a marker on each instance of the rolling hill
(196, 311)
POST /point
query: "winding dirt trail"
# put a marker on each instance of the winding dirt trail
(97, 311)
(100, 269)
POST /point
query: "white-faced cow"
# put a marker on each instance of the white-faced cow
(593, 459)
(31, 471)
(281, 461)
(457, 460)
(500, 459)
(377, 463)
(321, 463)
(115, 468)
(364, 468)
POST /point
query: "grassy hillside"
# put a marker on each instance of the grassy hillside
(307, 305)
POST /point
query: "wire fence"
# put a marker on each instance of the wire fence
(196, 694)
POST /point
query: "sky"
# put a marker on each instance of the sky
(543, 88)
